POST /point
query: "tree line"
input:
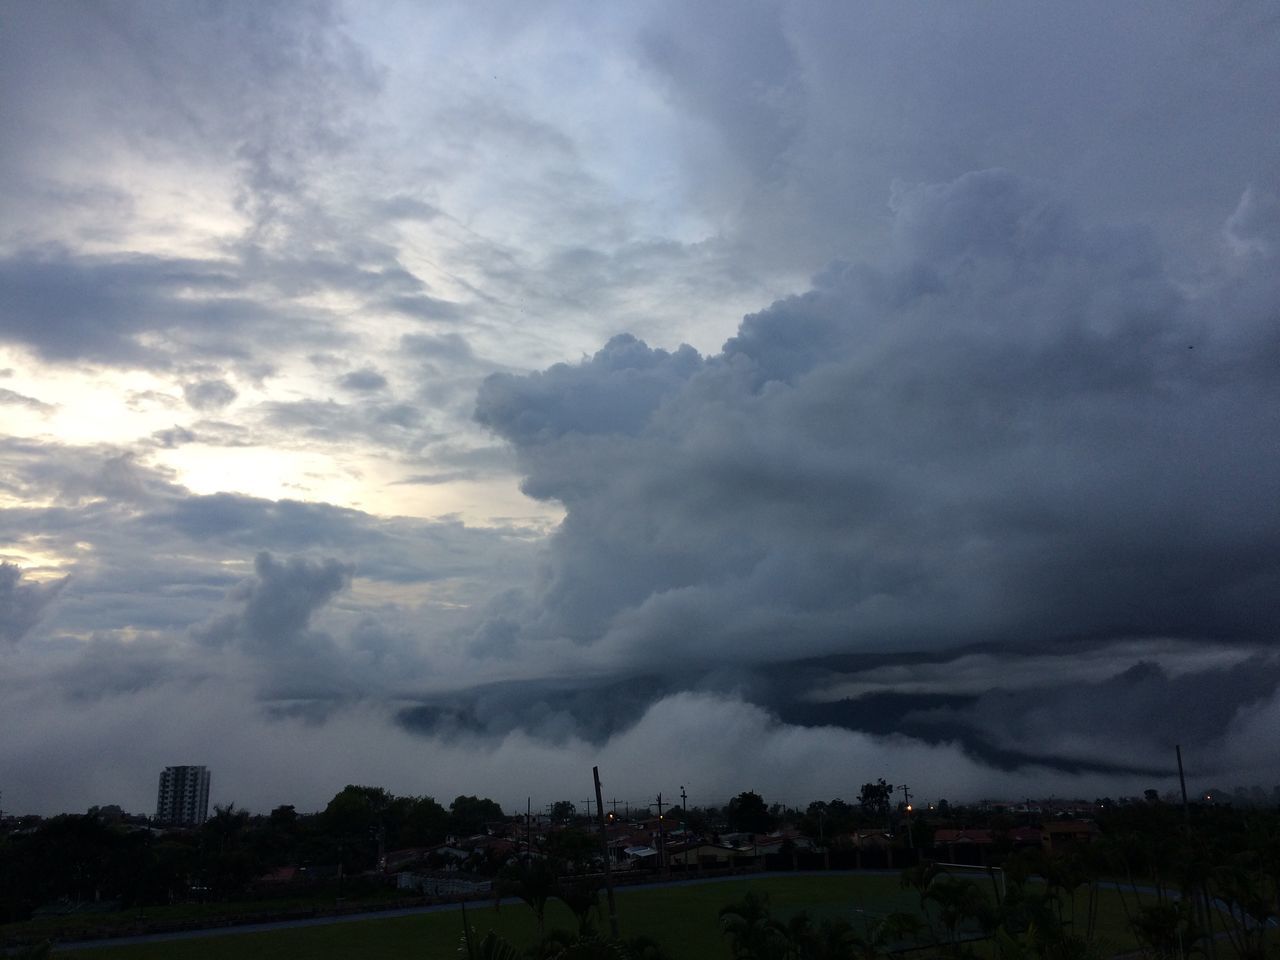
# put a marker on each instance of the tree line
(90, 858)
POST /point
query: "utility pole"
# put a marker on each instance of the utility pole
(1202, 905)
(684, 825)
(588, 802)
(528, 827)
(604, 842)
(614, 804)
(1182, 779)
(906, 795)
(662, 839)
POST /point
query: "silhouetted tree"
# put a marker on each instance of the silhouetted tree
(748, 813)
(875, 800)
(468, 815)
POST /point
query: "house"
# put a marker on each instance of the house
(1064, 834)
(278, 876)
(396, 859)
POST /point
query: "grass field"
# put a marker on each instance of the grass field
(682, 918)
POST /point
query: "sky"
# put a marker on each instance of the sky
(759, 395)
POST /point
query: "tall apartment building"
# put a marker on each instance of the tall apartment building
(184, 796)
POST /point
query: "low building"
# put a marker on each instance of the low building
(1063, 834)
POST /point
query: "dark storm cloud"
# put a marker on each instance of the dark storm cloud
(72, 308)
(394, 425)
(207, 395)
(268, 97)
(434, 479)
(69, 307)
(173, 437)
(1015, 429)
(402, 207)
(366, 380)
(616, 392)
(449, 347)
(1000, 434)
(423, 307)
(1140, 710)
(279, 601)
(400, 550)
(806, 105)
(13, 398)
(548, 709)
(39, 471)
(21, 604)
(1012, 450)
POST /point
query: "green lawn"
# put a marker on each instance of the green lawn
(682, 918)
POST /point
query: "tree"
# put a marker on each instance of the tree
(572, 850)
(826, 820)
(356, 811)
(532, 881)
(468, 815)
(875, 798)
(582, 898)
(229, 865)
(956, 901)
(748, 924)
(563, 811)
(748, 813)
(284, 816)
(424, 822)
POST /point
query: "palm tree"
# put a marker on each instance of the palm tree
(533, 882)
(799, 939)
(581, 898)
(881, 938)
(1247, 887)
(752, 933)
(959, 901)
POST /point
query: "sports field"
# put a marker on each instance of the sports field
(682, 918)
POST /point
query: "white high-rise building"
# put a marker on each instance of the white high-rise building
(184, 796)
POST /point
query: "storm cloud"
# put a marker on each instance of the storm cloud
(21, 604)
(1016, 430)
(767, 395)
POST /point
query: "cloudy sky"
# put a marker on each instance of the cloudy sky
(736, 395)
